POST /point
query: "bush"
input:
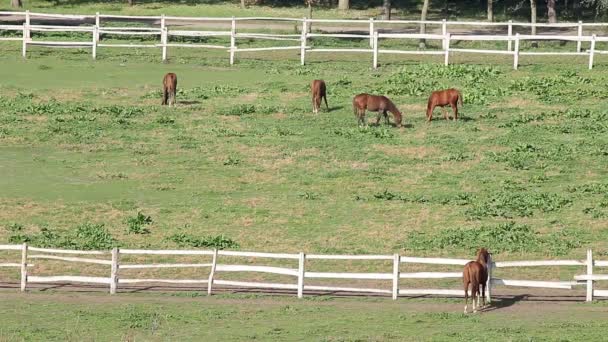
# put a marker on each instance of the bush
(136, 224)
(219, 241)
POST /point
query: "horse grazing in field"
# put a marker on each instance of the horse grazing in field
(375, 103)
(169, 89)
(475, 273)
(318, 89)
(443, 98)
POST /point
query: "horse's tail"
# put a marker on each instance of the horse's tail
(460, 97)
(325, 98)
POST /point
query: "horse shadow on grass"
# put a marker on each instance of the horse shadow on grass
(189, 103)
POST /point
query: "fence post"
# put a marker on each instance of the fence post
(303, 41)
(114, 271)
(25, 39)
(510, 34)
(23, 267)
(27, 22)
(375, 50)
(396, 261)
(592, 52)
(516, 52)
(163, 41)
(371, 32)
(97, 24)
(589, 273)
(95, 40)
(446, 42)
(163, 37)
(444, 30)
(212, 273)
(580, 35)
(489, 282)
(232, 41)
(301, 263)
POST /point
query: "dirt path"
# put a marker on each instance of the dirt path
(507, 300)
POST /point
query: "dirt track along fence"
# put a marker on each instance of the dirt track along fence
(166, 35)
(218, 262)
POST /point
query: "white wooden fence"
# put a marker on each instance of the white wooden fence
(212, 260)
(164, 34)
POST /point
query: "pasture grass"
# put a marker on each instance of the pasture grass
(241, 161)
(191, 317)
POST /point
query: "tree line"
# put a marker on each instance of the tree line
(552, 7)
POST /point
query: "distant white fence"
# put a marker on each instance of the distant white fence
(299, 271)
(164, 34)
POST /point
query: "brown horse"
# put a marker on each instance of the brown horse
(475, 273)
(375, 103)
(443, 98)
(318, 89)
(169, 89)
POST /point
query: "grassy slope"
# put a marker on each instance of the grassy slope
(60, 317)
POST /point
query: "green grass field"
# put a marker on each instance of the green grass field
(87, 154)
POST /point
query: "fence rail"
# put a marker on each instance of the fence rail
(217, 265)
(371, 33)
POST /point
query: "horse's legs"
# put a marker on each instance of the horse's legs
(429, 113)
(483, 295)
(378, 117)
(386, 117)
(445, 113)
(455, 110)
(475, 296)
(165, 95)
(466, 296)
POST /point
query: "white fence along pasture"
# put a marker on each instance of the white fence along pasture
(164, 34)
(213, 260)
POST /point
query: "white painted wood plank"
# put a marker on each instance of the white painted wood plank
(263, 269)
(533, 283)
(66, 251)
(442, 292)
(169, 281)
(348, 257)
(344, 289)
(591, 277)
(254, 284)
(430, 275)
(436, 261)
(10, 247)
(329, 275)
(526, 263)
(412, 52)
(73, 259)
(134, 266)
(260, 254)
(202, 46)
(600, 293)
(77, 279)
(166, 252)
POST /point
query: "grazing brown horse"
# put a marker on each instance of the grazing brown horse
(443, 98)
(475, 273)
(318, 89)
(169, 88)
(375, 103)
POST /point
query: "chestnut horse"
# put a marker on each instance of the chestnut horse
(318, 89)
(169, 88)
(475, 273)
(375, 103)
(443, 98)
